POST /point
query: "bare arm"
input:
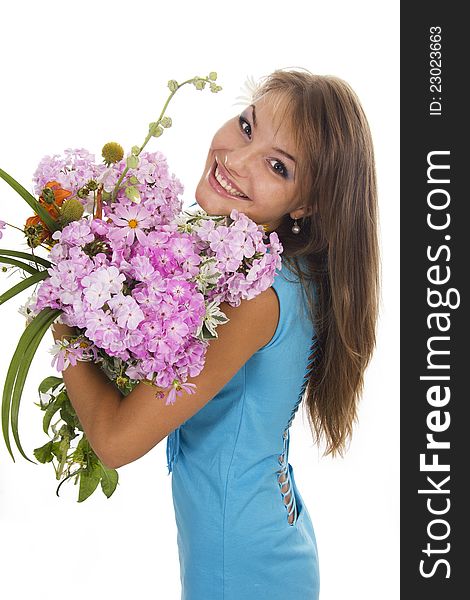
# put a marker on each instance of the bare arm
(122, 429)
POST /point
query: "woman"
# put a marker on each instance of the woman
(298, 160)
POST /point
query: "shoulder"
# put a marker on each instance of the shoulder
(253, 322)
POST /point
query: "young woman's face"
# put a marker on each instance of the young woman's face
(251, 166)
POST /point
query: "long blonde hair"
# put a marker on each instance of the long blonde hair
(338, 242)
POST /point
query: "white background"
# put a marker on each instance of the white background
(81, 74)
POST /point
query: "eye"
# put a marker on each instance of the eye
(279, 167)
(245, 126)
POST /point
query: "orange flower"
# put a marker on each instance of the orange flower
(35, 230)
(59, 196)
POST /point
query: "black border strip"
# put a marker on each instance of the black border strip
(434, 260)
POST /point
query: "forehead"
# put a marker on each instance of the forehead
(273, 115)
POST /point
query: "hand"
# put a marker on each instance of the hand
(59, 330)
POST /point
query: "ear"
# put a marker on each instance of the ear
(302, 211)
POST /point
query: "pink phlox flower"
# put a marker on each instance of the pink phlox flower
(132, 338)
(158, 284)
(195, 309)
(134, 372)
(47, 295)
(143, 268)
(160, 347)
(181, 247)
(218, 238)
(165, 377)
(96, 321)
(59, 252)
(76, 233)
(158, 239)
(227, 263)
(237, 245)
(176, 329)
(175, 186)
(204, 228)
(130, 223)
(126, 311)
(101, 284)
(109, 178)
(164, 261)
(99, 227)
(109, 334)
(180, 289)
(166, 309)
(244, 224)
(275, 244)
(190, 264)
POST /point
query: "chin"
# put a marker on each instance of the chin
(209, 204)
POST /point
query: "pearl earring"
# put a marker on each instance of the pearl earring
(295, 227)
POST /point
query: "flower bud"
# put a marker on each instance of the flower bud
(92, 185)
(155, 129)
(166, 122)
(83, 192)
(212, 75)
(173, 85)
(199, 83)
(132, 161)
(47, 195)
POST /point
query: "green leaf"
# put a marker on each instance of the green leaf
(33, 329)
(68, 414)
(22, 285)
(89, 480)
(109, 480)
(18, 263)
(31, 200)
(51, 410)
(56, 450)
(44, 453)
(21, 377)
(26, 256)
(50, 383)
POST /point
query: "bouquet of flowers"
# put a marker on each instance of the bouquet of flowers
(139, 278)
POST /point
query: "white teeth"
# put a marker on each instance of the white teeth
(226, 185)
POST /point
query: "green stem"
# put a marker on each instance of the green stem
(15, 227)
(149, 135)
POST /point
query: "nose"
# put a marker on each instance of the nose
(238, 161)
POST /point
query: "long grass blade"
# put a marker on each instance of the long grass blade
(24, 341)
(26, 256)
(23, 371)
(22, 285)
(18, 263)
(31, 200)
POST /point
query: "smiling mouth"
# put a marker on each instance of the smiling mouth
(222, 186)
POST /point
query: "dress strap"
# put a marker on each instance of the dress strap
(172, 448)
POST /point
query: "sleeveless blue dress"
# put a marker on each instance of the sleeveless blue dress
(237, 537)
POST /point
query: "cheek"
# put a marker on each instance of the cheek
(225, 137)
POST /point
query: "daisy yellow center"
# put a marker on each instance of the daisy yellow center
(133, 223)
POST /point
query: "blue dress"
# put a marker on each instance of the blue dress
(237, 537)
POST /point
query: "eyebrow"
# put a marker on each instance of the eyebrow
(280, 150)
